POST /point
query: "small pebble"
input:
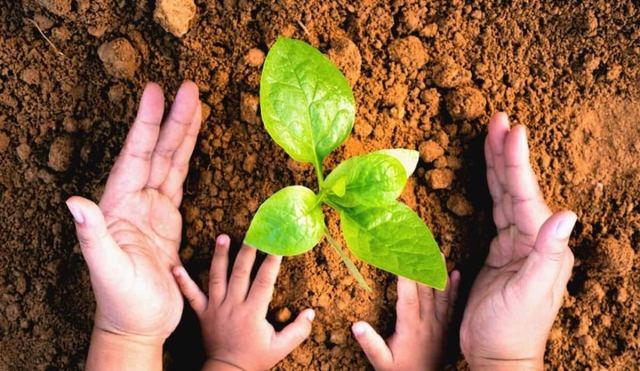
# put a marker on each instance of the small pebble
(23, 151)
(337, 337)
(459, 205)
(255, 57)
(283, 315)
(174, 15)
(439, 178)
(430, 150)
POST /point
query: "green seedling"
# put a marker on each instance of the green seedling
(308, 108)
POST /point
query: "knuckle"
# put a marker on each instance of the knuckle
(263, 282)
(411, 302)
(239, 273)
(84, 240)
(443, 297)
(216, 280)
(163, 152)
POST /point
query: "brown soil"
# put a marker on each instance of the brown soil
(426, 74)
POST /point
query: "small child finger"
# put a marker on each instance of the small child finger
(190, 290)
(453, 293)
(218, 270)
(442, 302)
(373, 345)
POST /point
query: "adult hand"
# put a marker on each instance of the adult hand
(130, 242)
(419, 340)
(236, 334)
(517, 294)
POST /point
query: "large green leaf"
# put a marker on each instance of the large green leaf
(306, 103)
(396, 240)
(374, 179)
(408, 157)
(290, 222)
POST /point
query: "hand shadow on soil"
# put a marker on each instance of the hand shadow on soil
(476, 247)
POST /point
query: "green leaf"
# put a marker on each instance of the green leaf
(408, 157)
(374, 179)
(395, 239)
(306, 103)
(290, 222)
(339, 187)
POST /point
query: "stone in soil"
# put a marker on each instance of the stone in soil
(119, 58)
(465, 103)
(175, 15)
(57, 7)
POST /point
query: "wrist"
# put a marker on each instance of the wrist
(113, 351)
(213, 364)
(533, 364)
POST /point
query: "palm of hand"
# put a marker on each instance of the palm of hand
(504, 302)
(493, 313)
(147, 227)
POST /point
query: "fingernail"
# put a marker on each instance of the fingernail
(77, 214)
(565, 226)
(358, 329)
(455, 276)
(311, 315)
(223, 239)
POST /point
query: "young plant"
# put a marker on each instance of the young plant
(308, 109)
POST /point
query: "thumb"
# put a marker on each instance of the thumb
(102, 253)
(294, 334)
(551, 259)
(372, 344)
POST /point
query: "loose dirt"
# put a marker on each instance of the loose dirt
(426, 74)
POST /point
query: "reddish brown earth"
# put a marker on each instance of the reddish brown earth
(426, 74)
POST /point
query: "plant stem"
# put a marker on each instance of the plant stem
(352, 267)
(318, 167)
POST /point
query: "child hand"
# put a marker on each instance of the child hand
(131, 241)
(518, 292)
(236, 333)
(421, 328)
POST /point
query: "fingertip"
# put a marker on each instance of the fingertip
(178, 271)
(501, 117)
(499, 120)
(222, 240)
(372, 344)
(151, 85)
(566, 223)
(189, 87)
(75, 211)
(358, 329)
(153, 89)
(295, 333)
(498, 130)
(190, 290)
(86, 213)
(310, 314)
(520, 132)
(455, 276)
(190, 84)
